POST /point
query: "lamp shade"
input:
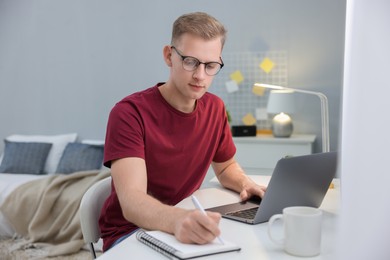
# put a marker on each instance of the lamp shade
(324, 110)
(281, 101)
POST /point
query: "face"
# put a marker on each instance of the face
(191, 85)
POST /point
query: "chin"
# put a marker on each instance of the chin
(198, 95)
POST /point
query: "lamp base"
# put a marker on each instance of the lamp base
(282, 125)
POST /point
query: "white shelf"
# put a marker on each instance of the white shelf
(299, 139)
(259, 154)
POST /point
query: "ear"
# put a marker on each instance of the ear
(167, 53)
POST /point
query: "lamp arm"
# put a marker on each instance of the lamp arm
(324, 116)
(325, 122)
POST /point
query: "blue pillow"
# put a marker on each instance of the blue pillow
(24, 157)
(80, 157)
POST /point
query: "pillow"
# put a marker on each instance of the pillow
(81, 157)
(93, 141)
(21, 157)
(58, 145)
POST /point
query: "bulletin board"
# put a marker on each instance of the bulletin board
(234, 84)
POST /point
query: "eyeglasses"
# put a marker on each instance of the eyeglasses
(191, 64)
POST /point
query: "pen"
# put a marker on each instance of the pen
(199, 206)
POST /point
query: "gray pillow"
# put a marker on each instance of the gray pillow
(24, 157)
(80, 157)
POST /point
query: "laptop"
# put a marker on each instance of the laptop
(296, 181)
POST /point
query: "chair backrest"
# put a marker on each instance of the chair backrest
(90, 207)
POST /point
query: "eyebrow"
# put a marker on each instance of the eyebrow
(187, 56)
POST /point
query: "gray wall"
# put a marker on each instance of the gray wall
(64, 63)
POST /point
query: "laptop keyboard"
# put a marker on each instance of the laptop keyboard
(245, 213)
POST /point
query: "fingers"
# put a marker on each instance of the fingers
(205, 228)
(198, 228)
(255, 190)
(244, 195)
(263, 189)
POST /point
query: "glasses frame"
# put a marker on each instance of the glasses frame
(183, 57)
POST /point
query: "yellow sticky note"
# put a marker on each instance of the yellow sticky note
(258, 90)
(267, 65)
(237, 76)
(249, 119)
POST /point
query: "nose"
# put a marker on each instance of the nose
(200, 72)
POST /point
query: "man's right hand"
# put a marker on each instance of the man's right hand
(193, 227)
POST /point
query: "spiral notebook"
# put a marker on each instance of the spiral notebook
(169, 246)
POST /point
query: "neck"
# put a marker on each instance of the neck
(176, 100)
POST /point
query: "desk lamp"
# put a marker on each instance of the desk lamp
(324, 110)
(281, 103)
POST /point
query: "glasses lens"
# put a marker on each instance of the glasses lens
(190, 63)
(213, 68)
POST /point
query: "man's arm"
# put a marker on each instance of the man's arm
(189, 226)
(232, 176)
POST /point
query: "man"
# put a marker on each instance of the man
(161, 141)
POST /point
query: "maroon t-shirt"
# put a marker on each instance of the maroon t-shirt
(177, 148)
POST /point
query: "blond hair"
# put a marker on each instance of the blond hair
(198, 24)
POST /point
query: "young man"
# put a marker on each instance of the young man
(161, 141)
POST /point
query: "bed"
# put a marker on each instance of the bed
(42, 180)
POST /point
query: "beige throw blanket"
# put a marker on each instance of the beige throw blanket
(46, 211)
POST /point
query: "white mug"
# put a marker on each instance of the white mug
(302, 230)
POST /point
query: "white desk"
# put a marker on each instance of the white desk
(253, 239)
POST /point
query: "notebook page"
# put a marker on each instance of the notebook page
(191, 250)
